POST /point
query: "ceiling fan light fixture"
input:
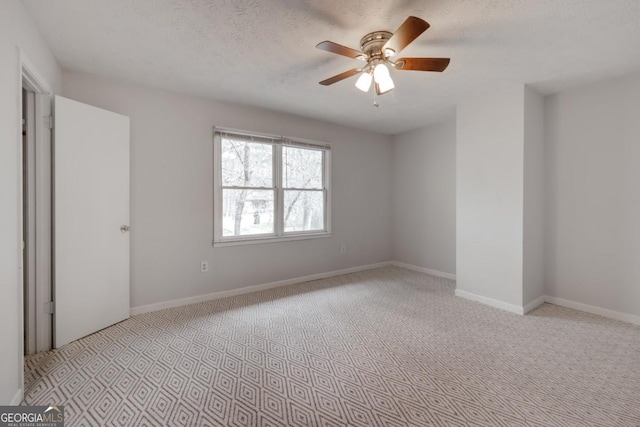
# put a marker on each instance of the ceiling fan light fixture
(385, 86)
(383, 78)
(381, 73)
(364, 82)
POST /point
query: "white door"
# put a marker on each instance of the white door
(91, 218)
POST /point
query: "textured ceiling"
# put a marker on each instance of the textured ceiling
(262, 52)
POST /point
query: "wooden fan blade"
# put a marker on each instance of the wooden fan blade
(423, 64)
(410, 29)
(341, 76)
(339, 49)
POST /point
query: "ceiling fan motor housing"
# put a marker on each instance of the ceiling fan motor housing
(371, 44)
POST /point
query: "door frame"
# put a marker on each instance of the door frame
(29, 209)
(30, 78)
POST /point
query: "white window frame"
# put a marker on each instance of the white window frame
(279, 234)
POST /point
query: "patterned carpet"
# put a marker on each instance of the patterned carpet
(386, 347)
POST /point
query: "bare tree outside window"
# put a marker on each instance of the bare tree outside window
(303, 189)
(248, 168)
(268, 187)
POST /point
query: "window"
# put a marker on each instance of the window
(269, 188)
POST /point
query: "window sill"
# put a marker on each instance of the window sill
(259, 240)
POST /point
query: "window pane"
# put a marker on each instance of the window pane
(247, 212)
(246, 164)
(303, 210)
(301, 167)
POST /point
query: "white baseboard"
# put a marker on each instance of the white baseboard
(424, 270)
(17, 398)
(250, 289)
(534, 304)
(490, 302)
(611, 314)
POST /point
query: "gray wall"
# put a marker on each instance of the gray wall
(586, 201)
(172, 193)
(490, 195)
(533, 242)
(16, 30)
(424, 197)
(592, 161)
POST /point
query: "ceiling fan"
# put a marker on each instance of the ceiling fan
(378, 49)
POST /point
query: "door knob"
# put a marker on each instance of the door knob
(124, 228)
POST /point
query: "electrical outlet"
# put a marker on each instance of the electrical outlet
(204, 266)
(343, 249)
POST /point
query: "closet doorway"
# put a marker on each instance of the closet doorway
(35, 177)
